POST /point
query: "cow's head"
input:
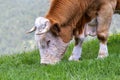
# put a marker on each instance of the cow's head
(51, 46)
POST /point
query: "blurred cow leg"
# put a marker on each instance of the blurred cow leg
(104, 20)
(77, 50)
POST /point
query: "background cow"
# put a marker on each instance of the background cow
(68, 18)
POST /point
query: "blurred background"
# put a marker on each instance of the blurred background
(18, 16)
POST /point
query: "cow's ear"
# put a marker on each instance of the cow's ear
(55, 29)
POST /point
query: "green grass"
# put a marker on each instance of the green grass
(26, 66)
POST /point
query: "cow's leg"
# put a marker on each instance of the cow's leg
(104, 20)
(77, 50)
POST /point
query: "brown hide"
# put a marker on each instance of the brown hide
(118, 5)
(68, 17)
(90, 13)
(66, 13)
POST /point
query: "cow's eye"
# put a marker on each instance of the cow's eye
(45, 24)
(48, 42)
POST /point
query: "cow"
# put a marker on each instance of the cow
(68, 19)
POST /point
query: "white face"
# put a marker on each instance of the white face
(51, 47)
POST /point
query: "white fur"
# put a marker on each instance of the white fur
(77, 50)
(42, 25)
(40, 22)
(103, 51)
(52, 52)
(76, 53)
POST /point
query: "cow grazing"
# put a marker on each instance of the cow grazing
(73, 18)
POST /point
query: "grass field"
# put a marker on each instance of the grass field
(26, 66)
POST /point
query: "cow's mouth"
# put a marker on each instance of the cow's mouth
(50, 59)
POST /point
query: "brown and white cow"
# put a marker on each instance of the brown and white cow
(73, 18)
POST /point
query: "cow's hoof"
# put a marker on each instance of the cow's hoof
(72, 58)
(102, 56)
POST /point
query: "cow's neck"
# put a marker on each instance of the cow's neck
(67, 13)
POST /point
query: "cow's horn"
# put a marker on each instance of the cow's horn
(31, 30)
